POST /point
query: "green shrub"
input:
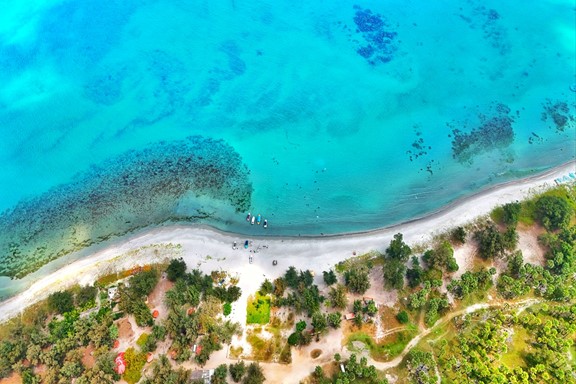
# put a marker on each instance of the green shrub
(402, 317)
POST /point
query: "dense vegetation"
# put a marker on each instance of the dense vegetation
(57, 332)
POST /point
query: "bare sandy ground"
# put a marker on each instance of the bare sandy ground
(208, 249)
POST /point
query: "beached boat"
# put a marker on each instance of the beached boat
(265, 223)
(246, 244)
(248, 217)
(253, 220)
(258, 219)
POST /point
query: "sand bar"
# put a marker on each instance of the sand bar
(209, 249)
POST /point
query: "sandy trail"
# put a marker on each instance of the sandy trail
(209, 249)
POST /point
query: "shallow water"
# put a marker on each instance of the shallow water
(344, 114)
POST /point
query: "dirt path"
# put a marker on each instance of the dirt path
(473, 308)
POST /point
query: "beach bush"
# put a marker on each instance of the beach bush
(329, 277)
(458, 235)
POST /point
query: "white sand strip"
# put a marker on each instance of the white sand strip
(316, 253)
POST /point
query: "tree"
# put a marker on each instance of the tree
(86, 295)
(279, 287)
(402, 317)
(511, 213)
(162, 373)
(300, 326)
(294, 338)
(219, 375)
(319, 322)
(414, 274)
(553, 212)
(357, 280)
(329, 277)
(357, 306)
(393, 271)
(61, 302)
(266, 287)
(459, 235)
(318, 372)
(254, 374)
(492, 243)
(176, 270)
(421, 366)
(334, 319)
(371, 309)
(398, 250)
(144, 282)
(237, 371)
(337, 296)
(291, 277)
(181, 294)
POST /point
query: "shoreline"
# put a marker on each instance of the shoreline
(208, 248)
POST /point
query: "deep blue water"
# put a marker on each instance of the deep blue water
(348, 116)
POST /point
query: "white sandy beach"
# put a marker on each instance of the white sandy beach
(318, 253)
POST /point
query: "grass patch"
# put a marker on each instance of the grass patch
(370, 260)
(106, 280)
(258, 310)
(513, 357)
(497, 215)
(387, 350)
(262, 350)
(227, 309)
(236, 352)
(142, 340)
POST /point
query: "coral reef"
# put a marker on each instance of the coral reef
(487, 20)
(134, 190)
(494, 131)
(378, 45)
(559, 113)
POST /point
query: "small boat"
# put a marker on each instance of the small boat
(234, 245)
(253, 220)
(246, 244)
(265, 223)
(258, 219)
(250, 259)
(248, 217)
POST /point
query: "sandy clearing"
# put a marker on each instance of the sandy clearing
(318, 253)
(532, 251)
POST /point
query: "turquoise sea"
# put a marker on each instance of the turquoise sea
(323, 116)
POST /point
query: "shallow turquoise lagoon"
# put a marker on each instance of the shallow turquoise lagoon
(348, 115)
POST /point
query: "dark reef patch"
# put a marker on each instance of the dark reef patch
(488, 21)
(559, 113)
(419, 150)
(492, 130)
(373, 36)
(105, 88)
(134, 190)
